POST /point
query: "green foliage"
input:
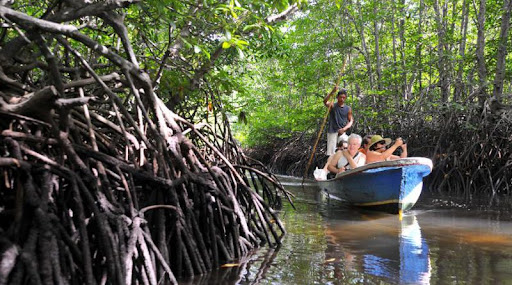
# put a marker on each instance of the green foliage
(276, 74)
(301, 62)
(197, 32)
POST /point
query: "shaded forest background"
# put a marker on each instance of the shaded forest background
(437, 73)
(129, 128)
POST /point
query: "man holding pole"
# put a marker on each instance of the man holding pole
(340, 119)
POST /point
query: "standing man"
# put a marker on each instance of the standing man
(340, 119)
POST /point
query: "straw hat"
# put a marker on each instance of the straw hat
(376, 138)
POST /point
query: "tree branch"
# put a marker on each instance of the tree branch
(283, 15)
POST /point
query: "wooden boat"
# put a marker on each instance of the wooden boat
(390, 186)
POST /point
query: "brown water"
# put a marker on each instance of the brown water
(328, 242)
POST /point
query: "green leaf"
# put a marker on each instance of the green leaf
(240, 43)
(233, 14)
(206, 52)
(187, 44)
(251, 27)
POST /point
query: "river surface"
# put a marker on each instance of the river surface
(327, 242)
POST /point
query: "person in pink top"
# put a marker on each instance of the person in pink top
(378, 150)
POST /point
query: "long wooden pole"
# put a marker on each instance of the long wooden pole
(323, 124)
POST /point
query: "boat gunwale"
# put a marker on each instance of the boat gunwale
(409, 161)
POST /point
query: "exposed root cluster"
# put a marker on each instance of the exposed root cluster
(101, 182)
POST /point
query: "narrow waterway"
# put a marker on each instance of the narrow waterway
(327, 242)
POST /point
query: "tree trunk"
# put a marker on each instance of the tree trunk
(442, 66)
(480, 59)
(393, 33)
(419, 63)
(395, 86)
(459, 85)
(402, 49)
(376, 32)
(502, 51)
(365, 52)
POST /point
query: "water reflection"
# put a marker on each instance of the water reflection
(414, 254)
(330, 243)
(382, 246)
(249, 270)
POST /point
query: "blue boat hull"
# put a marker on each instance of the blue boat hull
(390, 186)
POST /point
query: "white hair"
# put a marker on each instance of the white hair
(355, 136)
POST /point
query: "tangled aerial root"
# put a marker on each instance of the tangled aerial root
(102, 183)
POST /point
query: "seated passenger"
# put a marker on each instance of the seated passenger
(342, 145)
(323, 173)
(365, 144)
(377, 150)
(349, 158)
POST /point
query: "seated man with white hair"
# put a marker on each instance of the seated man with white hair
(349, 158)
